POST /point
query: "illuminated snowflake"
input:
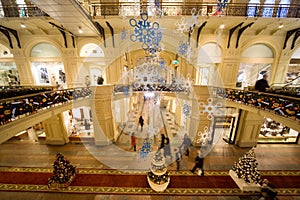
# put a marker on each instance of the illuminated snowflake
(186, 110)
(146, 32)
(145, 150)
(210, 109)
(182, 26)
(205, 137)
(193, 21)
(184, 49)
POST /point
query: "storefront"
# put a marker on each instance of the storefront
(9, 75)
(274, 132)
(47, 68)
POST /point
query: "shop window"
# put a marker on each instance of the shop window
(48, 73)
(9, 75)
(274, 132)
(268, 8)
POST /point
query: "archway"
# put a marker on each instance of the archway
(46, 65)
(9, 75)
(256, 60)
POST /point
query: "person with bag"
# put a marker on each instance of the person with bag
(199, 161)
(133, 141)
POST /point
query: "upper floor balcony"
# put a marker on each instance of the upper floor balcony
(159, 9)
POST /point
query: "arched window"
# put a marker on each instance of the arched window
(46, 65)
(256, 61)
(209, 56)
(283, 8)
(253, 8)
(268, 8)
(91, 50)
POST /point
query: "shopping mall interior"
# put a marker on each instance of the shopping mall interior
(121, 99)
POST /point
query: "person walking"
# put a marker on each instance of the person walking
(178, 158)
(186, 143)
(133, 141)
(162, 141)
(167, 149)
(262, 84)
(141, 122)
(199, 161)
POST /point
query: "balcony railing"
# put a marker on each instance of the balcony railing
(201, 9)
(21, 10)
(285, 106)
(168, 9)
(14, 108)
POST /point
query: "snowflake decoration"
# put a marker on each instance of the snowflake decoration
(186, 110)
(210, 108)
(155, 10)
(145, 32)
(193, 21)
(145, 150)
(124, 34)
(182, 27)
(184, 49)
(205, 137)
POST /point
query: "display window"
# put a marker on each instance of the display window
(48, 73)
(274, 132)
(9, 75)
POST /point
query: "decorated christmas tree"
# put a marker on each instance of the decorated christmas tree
(246, 168)
(63, 171)
(158, 177)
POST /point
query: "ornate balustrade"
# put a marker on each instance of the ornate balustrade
(13, 108)
(202, 9)
(167, 9)
(21, 10)
(282, 105)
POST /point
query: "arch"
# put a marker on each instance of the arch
(296, 54)
(258, 50)
(209, 53)
(27, 47)
(91, 50)
(44, 50)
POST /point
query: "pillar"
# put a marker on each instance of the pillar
(249, 127)
(24, 68)
(279, 71)
(56, 133)
(71, 66)
(229, 69)
(102, 114)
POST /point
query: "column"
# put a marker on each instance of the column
(23, 66)
(102, 114)
(248, 129)
(56, 133)
(72, 67)
(279, 71)
(229, 69)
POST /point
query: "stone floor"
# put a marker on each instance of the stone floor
(120, 155)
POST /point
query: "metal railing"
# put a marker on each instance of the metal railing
(21, 10)
(168, 9)
(200, 9)
(14, 108)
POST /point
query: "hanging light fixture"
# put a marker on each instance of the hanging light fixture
(80, 30)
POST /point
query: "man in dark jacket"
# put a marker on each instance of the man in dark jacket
(262, 84)
(199, 160)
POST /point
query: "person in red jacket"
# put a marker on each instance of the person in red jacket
(133, 141)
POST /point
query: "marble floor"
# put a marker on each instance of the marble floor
(120, 156)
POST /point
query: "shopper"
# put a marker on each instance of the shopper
(199, 161)
(133, 141)
(100, 80)
(262, 84)
(186, 143)
(178, 158)
(141, 122)
(268, 191)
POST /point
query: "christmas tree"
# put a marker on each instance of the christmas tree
(246, 168)
(63, 171)
(158, 177)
